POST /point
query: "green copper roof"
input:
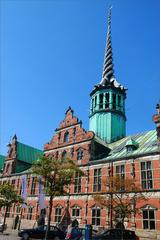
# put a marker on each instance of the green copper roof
(2, 158)
(26, 153)
(146, 144)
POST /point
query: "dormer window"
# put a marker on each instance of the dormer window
(66, 137)
(131, 145)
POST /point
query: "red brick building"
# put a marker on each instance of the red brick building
(95, 151)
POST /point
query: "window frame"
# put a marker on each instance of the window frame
(96, 216)
(66, 137)
(97, 180)
(80, 154)
(77, 211)
(148, 220)
(30, 213)
(33, 186)
(58, 214)
(146, 180)
(77, 183)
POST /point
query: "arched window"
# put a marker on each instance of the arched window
(80, 154)
(66, 137)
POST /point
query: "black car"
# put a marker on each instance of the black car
(39, 233)
(116, 234)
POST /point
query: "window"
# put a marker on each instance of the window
(30, 211)
(96, 214)
(107, 100)
(120, 171)
(33, 185)
(114, 101)
(58, 214)
(74, 131)
(146, 175)
(130, 149)
(76, 211)
(92, 105)
(119, 102)
(64, 154)
(59, 136)
(77, 183)
(97, 180)
(101, 101)
(148, 219)
(95, 102)
(121, 174)
(80, 154)
(66, 137)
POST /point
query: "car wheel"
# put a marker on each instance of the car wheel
(25, 236)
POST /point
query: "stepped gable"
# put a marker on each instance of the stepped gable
(70, 131)
(19, 157)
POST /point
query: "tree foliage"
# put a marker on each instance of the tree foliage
(8, 196)
(120, 196)
(57, 175)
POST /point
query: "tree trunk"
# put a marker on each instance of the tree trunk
(4, 221)
(49, 216)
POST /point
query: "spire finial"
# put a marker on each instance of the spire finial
(108, 71)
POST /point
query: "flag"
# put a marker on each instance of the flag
(24, 189)
(41, 196)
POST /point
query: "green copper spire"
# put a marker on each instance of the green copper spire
(107, 111)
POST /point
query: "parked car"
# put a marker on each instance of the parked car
(94, 232)
(116, 234)
(3, 228)
(39, 233)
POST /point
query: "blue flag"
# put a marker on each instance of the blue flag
(24, 189)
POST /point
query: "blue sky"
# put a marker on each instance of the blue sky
(52, 55)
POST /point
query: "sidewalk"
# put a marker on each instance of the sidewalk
(10, 231)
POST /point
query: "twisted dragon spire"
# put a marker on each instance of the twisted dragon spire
(108, 70)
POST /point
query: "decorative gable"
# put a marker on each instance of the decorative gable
(69, 132)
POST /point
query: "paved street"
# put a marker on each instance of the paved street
(8, 237)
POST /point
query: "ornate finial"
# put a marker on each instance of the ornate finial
(14, 137)
(108, 71)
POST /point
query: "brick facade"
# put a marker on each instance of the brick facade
(71, 140)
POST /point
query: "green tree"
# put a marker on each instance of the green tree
(121, 197)
(57, 175)
(8, 196)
